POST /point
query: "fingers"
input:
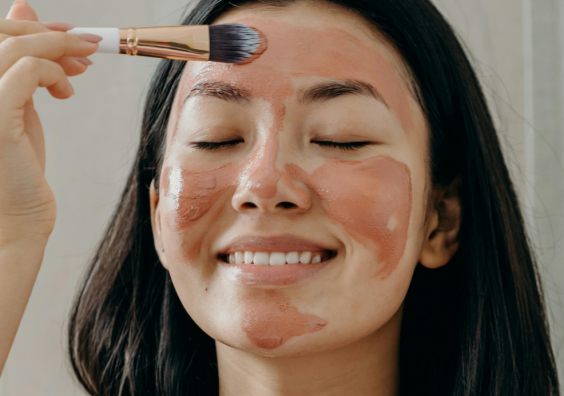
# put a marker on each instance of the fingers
(21, 10)
(19, 28)
(20, 81)
(59, 26)
(17, 25)
(74, 66)
(10, 27)
(50, 45)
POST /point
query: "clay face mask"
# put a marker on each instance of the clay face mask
(371, 199)
(295, 52)
(271, 321)
(365, 192)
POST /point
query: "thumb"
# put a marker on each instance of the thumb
(21, 10)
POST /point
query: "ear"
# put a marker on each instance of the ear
(156, 222)
(442, 230)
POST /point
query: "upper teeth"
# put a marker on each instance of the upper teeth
(274, 258)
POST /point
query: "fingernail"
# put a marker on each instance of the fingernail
(91, 38)
(61, 26)
(84, 61)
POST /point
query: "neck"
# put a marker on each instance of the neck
(366, 367)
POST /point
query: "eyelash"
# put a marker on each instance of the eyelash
(211, 146)
(345, 146)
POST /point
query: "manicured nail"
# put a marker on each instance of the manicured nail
(60, 26)
(91, 38)
(84, 61)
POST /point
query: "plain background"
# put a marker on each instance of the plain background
(516, 46)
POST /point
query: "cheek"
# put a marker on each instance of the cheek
(371, 199)
(192, 201)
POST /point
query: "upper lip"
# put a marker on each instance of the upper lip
(280, 243)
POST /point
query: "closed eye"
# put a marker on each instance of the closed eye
(210, 146)
(346, 146)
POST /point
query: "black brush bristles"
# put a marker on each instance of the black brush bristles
(235, 43)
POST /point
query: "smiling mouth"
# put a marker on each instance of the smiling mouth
(277, 258)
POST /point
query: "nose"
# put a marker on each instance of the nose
(265, 186)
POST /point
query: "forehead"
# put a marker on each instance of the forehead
(308, 41)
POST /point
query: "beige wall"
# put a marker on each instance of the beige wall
(91, 140)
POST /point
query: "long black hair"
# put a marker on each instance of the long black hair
(476, 326)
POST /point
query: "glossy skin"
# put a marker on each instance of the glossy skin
(369, 204)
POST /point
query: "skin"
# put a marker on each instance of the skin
(35, 58)
(371, 205)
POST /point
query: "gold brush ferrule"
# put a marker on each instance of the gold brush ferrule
(169, 42)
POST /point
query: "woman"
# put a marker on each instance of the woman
(358, 149)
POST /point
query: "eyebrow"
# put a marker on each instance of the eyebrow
(221, 90)
(333, 89)
(318, 93)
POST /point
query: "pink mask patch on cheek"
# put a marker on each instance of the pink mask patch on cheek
(191, 195)
(270, 321)
(371, 199)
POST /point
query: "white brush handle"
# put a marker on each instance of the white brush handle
(110, 38)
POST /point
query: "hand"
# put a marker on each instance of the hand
(32, 55)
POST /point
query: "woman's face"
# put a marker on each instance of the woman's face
(341, 226)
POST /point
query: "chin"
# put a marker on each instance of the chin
(299, 346)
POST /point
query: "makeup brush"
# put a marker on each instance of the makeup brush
(229, 43)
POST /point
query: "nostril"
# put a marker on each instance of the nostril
(280, 205)
(249, 205)
(287, 205)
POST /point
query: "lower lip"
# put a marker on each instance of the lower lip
(272, 275)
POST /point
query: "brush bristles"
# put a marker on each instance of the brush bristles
(235, 43)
